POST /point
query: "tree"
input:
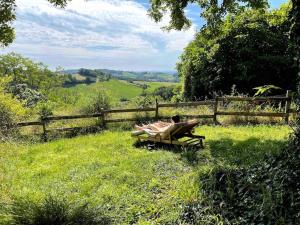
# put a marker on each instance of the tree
(165, 92)
(10, 108)
(212, 10)
(250, 48)
(8, 15)
(22, 70)
(279, 175)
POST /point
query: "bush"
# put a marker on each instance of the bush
(24, 93)
(45, 109)
(166, 93)
(144, 101)
(266, 193)
(54, 211)
(99, 102)
(124, 99)
(10, 109)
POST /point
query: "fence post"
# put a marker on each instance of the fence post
(156, 109)
(287, 106)
(44, 135)
(103, 118)
(215, 110)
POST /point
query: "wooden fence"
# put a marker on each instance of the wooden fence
(104, 115)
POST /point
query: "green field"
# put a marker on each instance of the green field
(72, 99)
(132, 185)
(153, 85)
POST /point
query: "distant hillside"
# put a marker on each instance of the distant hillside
(136, 76)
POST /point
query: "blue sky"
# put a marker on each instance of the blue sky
(113, 34)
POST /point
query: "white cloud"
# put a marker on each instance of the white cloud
(109, 31)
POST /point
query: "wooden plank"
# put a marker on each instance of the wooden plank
(252, 98)
(181, 104)
(160, 117)
(193, 141)
(215, 111)
(268, 114)
(49, 118)
(195, 136)
(199, 116)
(293, 111)
(287, 106)
(44, 135)
(162, 141)
(31, 123)
(156, 108)
(125, 120)
(129, 110)
(72, 128)
(190, 116)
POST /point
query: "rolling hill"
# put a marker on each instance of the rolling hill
(72, 99)
(133, 75)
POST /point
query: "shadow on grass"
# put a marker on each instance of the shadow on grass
(251, 182)
(224, 151)
(244, 152)
(188, 154)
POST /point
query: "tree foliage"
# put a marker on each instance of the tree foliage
(94, 74)
(8, 15)
(10, 108)
(29, 81)
(248, 49)
(24, 71)
(212, 10)
(165, 92)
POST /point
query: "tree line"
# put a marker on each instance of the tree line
(247, 49)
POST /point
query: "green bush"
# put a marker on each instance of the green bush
(99, 102)
(265, 193)
(10, 108)
(22, 92)
(54, 211)
(166, 93)
(45, 109)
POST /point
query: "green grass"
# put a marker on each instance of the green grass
(71, 100)
(153, 85)
(133, 185)
(115, 88)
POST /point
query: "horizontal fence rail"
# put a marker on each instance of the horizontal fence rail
(83, 116)
(33, 123)
(267, 114)
(254, 99)
(185, 104)
(102, 116)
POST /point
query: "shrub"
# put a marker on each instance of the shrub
(166, 93)
(124, 99)
(10, 109)
(266, 193)
(143, 101)
(97, 103)
(54, 211)
(45, 109)
(24, 93)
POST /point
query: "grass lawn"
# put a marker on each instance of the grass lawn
(134, 186)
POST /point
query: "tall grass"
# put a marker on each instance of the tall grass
(129, 184)
(53, 211)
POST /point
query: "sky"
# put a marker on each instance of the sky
(111, 34)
